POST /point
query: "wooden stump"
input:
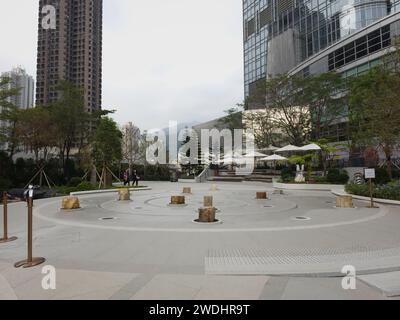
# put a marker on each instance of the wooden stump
(124, 194)
(214, 187)
(177, 200)
(261, 196)
(207, 215)
(344, 202)
(208, 201)
(70, 203)
(187, 190)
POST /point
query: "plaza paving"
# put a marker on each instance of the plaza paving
(292, 246)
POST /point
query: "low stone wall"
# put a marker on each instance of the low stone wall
(342, 192)
(84, 193)
(304, 186)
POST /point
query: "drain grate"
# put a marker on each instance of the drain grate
(108, 218)
(302, 218)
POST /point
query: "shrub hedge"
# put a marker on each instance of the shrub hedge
(390, 191)
(337, 176)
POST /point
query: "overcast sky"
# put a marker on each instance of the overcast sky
(162, 59)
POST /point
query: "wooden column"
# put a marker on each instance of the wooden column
(344, 202)
(207, 215)
(261, 196)
(176, 200)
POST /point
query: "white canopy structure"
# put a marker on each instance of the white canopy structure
(255, 154)
(311, 147)
(275, 157)
(289, 148)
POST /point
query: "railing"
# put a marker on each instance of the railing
(204, 175)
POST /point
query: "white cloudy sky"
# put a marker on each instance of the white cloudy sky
(163, 59)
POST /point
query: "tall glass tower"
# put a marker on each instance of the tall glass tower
(280, 35)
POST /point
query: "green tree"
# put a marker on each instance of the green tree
(107, 143)
(263, 125)
(290, 115)
(233, 118)
(36, 130)
(325, 96)
(327, 153)
(71, 120)
(375, 110)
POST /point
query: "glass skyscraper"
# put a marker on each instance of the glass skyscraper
(313, 36)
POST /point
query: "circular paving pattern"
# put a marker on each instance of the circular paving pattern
(151, 211)
(296, 233)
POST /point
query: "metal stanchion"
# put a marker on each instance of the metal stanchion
(30, 262)
(5, 238)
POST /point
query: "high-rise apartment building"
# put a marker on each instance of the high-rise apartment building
(19, 79)
(72, 51)
(309, 37)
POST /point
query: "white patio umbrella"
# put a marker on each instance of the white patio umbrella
(311, 147)
(232, 158)
(255, 154)
(274, 157)
(289, 148)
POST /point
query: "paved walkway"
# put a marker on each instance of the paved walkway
(151, 250)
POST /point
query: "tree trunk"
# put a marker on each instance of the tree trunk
(389, 164)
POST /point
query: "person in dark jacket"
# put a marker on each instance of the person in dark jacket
(135, 178)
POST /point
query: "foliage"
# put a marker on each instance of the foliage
(131, 144)
(153, 172)
(74, 182)
(263, 125)
(36, 130)
(375, 110)
(107, 146)
(233, 119)
(83, 186)
(291, 117)
(391, 192)
(325, 97)
(338, 176)
(382, 176)
(327, 152)
(71, 119)
(319, 180)
(287, 174)
(5, 185)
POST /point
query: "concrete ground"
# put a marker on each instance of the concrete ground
(292, 246)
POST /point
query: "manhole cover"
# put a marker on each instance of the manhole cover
(302, 218)
(268, 206)
(108, 218)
